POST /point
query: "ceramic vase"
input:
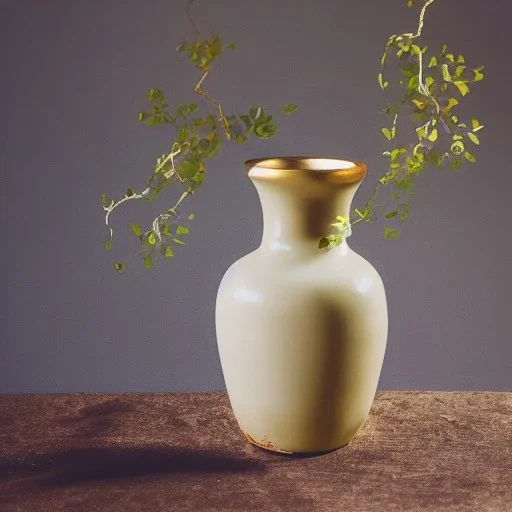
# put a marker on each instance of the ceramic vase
(301, 331)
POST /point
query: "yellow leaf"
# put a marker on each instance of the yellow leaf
(476, 125)
(462, 86)
(474, 138)
(433, 135)
(421, 105)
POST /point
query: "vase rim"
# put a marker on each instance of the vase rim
(340, 170)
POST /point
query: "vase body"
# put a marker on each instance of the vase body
(301, 332)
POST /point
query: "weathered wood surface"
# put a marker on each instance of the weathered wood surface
(183, 452)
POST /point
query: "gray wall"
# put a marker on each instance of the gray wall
(74, 76)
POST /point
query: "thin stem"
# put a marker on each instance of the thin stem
(170, 156)
(113, 206)
(421, 86)
(422, 18)
(190, 19)
(180, 200)
(222, 118)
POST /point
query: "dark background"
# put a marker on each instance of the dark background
(74, 76)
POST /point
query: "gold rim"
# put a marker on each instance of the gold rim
(319, 168)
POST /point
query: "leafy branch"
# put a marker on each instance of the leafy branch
(197, 139)
(431, 89)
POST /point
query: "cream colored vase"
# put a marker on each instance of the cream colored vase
(301, 331)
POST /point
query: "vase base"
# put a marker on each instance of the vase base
(269, 447)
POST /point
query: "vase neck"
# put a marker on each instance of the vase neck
(299, 205)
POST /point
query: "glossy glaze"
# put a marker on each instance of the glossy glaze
(301, 332)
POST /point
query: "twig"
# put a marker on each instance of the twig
(199, 90)
(190, 19)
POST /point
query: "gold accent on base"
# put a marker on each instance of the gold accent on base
(266, 445)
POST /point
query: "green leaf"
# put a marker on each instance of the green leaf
(136, 229)
(231, 46)
(474, 138)
(191, 216)
(182, 134)
(120, 267)
(446, 74)
(105, 200)
(459, 70)
(156, 96)
(108, 245)
(476, 125)
(188, 168)
(130, 192)
(455, 164)
(178, 241)
(203, 145)
(382, 83)
(166, 230)
(390, 215)
(396, 152)
(470, 157)
(168, 252)
(148, 261)
(391, 234)
(387, 133)
(151, 238)
(156, 118)
(421, 132)
(432, 63)
(290, 108)
(404, 212)
(429, 82)
(432, 137)
(419, 104)
(182, 230)
(457, 147)
(462, 86)
(265, 131)
(197, 180)
(185, 110)
(405, 184)
(478, 74)
(452, 102)
(247, 120)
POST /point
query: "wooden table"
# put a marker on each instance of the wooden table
(183, 452)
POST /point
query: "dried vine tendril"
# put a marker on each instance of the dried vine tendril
(196, 140)
(431, 90)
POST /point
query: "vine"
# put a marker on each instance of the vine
(432, 87)
(197, 139)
